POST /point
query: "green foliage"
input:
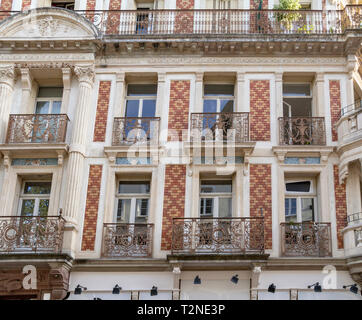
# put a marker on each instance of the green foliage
(287, 19)
(288, 5)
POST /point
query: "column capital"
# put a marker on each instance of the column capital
(199, 76)
(120, 76)
(240, 76)
(161, 77)
(85, 73)
(7, 74)
(279, 76)
(319, 76)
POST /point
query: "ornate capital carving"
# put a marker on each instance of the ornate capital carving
(7, 75)
(85, 73)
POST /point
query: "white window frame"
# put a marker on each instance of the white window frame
(140, 99)
(51, 101)
(31, 196)
(133, 197)
(217, 97)
(312, 194)
(298, 97)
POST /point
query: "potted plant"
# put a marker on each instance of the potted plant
(288, 18)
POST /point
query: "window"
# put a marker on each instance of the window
(132, 202)
(49, 100)
(297, 100)
(216, 199)
(63, 4)
(34, 198)
(300, 201)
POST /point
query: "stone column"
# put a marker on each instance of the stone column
(240, 93)
(199, 92)
(120, 105)
(351, 66)
(27, 86)
(320, 107)
(67, 80)
(85, 75)
(7, 77)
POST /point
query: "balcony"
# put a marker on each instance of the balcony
(126, 240)
(225, 126)
(197, 236)
(37, 128)
(224, 22)
(350, 124)
(306, 239)
(129, 131)
(20, 234)
(302, 131)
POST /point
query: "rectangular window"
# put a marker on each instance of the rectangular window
(297, 100)
(34, 198)
(49, 100)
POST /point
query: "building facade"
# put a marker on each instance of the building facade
(206, 149)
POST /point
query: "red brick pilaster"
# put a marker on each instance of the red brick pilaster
(254, 4)
(173, 201)
(178, 114)
(5, 5)
(261, 197)
(260, 110)
(113, 18)
(341, 205)
(335, 105)
(184, 21)
(91, 209)
(91, 5)
(25, 5)
(102, 111)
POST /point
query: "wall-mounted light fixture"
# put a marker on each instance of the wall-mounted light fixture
(197, 280)
(272, 288)
(117, 289)
(317, 287)
(353, 288)
(78, 289)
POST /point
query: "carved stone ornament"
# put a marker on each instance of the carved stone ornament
(84, 73)
(7, 74)
(48, 26)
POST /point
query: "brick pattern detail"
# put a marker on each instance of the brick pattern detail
(335, 105)
(261, 197)
(91, 5)
(5, 5)
(173, 202)
(184, 22)
(341, 206)
(25, 5)
(254, 4)
(259, 110)
(102, 111)
(178, 116)
(91, 209)
(113, 19)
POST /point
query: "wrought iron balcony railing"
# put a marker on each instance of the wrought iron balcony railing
(21, 234)
(357, 105)
(233, 22)
(354, 218)
(218, 235)
(128, 131)
(37, 128)
(228, 126)
(307, 239)
(127, 240)
(302, 131)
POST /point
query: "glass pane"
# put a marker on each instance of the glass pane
(222, 186)
(225, 209)
(296, 90)
(42, 107)
(141, 210)
(219, 90)
(43, 207)
(206, 207)
(149, 108)
(50, 92)
(210, 106)
(290, 210)
(299, 107)
(56, 107)
(226, 105)
(142, 90)
(134, 187)
(302, 186)
(37, 187)
(27, 207)
(132, 107)
(307, 209)
(124, 210)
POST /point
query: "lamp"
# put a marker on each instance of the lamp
(235, 279)
(353, 288)
(197, 280)
(272, 288)
(317, 287)
(97, 299)
(154, 291)
(117, 289)
(78, 289)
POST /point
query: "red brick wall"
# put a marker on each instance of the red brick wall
(173, 201)
(91, 209)
(341, 206)
(184, 22)
(261, 197)
(25, 5)
(113, 19)
(102, 111)
(178, 116)
(335, 105)
(254, 4)
(259, 110)
(91, 5)
(5, 6)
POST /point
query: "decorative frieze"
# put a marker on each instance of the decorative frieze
(34, 162)
(303, 160)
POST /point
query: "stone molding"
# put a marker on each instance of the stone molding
(7, 75)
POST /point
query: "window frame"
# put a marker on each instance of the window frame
(310, 96)
(218, 98)
(140, 99)
(51, 101)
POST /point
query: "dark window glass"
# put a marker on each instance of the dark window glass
(298, 90)
(134, 187)
(216, 186)
(219, 90)
(302, 186)
(50, 92)
(37, 187)
(142, 90)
